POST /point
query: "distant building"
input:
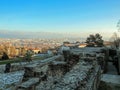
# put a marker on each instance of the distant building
(20, 51)
(17, 52)
(36, 50)
(82, 45)
(71, 45)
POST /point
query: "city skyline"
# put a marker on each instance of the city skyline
(60, 16)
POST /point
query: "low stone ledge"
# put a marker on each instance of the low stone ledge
(29, 83)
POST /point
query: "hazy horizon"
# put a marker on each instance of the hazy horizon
(70, 17)
(49, 35)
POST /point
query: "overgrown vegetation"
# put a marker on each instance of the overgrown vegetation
(28, 55)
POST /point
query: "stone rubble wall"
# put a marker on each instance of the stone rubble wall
(83, 76)
(9, 79)
(37, 69)
(14, 67)
(77, 78)
(52, 74)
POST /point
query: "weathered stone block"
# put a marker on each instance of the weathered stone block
(29, 84)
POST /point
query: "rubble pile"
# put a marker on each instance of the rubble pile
(78, 78)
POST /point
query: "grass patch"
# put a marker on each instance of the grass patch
(21, 59)
(15, 60)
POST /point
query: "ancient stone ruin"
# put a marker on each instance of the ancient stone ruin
(82, 71)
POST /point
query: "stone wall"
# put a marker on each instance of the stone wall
(2, 68)
(10, 79)
(80, 78)
(85, 75)
(77, 73)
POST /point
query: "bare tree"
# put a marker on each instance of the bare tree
(118, 40)
(115, 39)
(118, 26)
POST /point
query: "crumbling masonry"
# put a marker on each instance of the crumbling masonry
(81, 72)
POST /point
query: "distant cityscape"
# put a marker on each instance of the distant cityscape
(18, 47)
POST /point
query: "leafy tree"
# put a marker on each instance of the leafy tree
(5, 56)
(39, 52)
(98, 40)
(118, 26)
(90, 41)
(28, 55)
(94, 40)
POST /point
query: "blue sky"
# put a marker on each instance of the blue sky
(73, 16)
